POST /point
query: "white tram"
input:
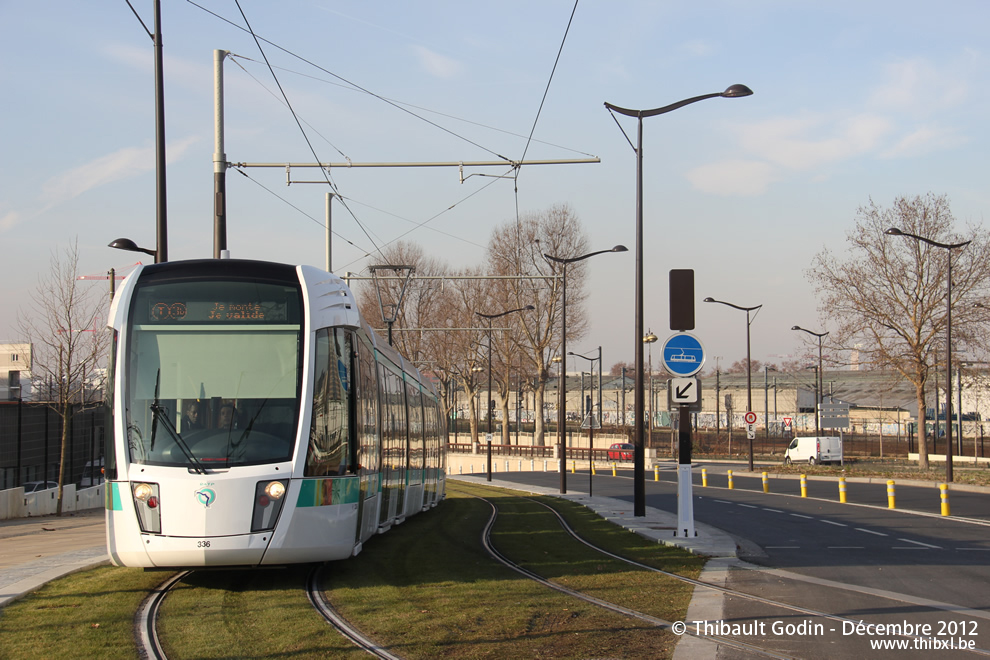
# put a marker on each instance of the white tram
(258, 420)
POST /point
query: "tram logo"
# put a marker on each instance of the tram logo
(206, 496)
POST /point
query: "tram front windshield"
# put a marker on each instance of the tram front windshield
(213, 373)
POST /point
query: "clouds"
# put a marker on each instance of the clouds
(119, 165)
(904, 115)
(437, 65)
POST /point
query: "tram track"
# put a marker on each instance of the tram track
(146, 619)
(150, 646)
(339, 623)
(725, 591)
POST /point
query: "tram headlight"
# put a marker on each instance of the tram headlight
(268, 499)
(143, 492)
(147, 507)
(275, 490)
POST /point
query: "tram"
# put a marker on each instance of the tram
(258, 420)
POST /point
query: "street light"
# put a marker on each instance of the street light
(562, 401)
(131, 246)
(820, 384)
(490, 317)
(893, 231)
(591, 418)
(735, 91)
(749, 365)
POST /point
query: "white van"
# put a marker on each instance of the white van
(822, 449)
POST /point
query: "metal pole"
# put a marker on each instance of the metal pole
(948, 373)
(749, 389)
(329, 240)
(639, 439)
(562, 386)
(821, 386)
(488, 403)
(219, 159)
(161, 250)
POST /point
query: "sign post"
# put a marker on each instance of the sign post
(683, 356)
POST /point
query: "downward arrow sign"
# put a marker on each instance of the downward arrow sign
(682, 392)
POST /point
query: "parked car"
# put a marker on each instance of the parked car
(620, 451)
(37, 486)
(92, 474)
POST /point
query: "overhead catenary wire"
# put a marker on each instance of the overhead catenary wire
(347, 84)
(299, 124)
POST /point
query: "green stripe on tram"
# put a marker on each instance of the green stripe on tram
(324, 492)
(111, 497)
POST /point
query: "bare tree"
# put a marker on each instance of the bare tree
(66, 327)
(887, 294)
(517, 248)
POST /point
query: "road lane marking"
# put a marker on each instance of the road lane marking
(749, 506)
(798, 515)
(772, 510)
(837, 524)
(925, 545)
(870, 531)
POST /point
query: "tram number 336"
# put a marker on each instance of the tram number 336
(202, 544)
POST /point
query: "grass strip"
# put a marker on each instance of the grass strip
(437, 593)
(426, 589)
(82, 616)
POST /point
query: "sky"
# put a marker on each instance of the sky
(852, 101)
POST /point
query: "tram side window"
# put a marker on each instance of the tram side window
(330, 429)
(415, 401)
(367, 409)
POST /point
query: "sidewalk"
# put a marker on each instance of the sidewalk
(34, 551)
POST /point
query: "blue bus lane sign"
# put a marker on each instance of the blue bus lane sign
(683, 355)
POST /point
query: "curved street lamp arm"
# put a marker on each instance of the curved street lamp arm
(816, 334)
(894, 231)
(734, 91)
(495, 316)
(570, 260)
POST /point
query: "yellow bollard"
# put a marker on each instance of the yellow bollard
(766, 483)
(704, 477)
(944, 488)
(842, 490)
(613, 469)
(804, 486)
(891, 499)
(656, 473)
(730, 479)
(573, 467)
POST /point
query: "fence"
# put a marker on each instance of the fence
(31, 443)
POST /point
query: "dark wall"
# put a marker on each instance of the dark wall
(31, 438)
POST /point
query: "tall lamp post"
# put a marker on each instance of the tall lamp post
(562, 387)
(639, 461)
(893, 231)
(820, 384)
(749, 363)
(591, 420)
(650, 339)
(490, 318)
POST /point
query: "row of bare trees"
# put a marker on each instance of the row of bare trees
(885, 296)
(439, 327)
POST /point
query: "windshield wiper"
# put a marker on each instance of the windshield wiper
(161, 414)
